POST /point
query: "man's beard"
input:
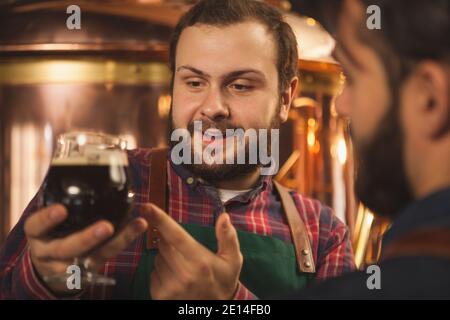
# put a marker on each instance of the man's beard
(225, 172)
(381, 182)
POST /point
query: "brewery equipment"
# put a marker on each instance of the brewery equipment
(111, 75)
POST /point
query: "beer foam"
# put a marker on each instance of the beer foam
(104, 158)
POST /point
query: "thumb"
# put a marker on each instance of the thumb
(227, 239)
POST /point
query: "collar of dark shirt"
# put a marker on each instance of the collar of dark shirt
(432, 211)
(194, 182)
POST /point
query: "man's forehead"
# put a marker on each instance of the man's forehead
(222, 26)
(238, 46)
(248, 31)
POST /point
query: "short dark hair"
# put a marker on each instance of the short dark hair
(411, 31)
(229, 12)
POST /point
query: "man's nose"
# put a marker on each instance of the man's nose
(214, 107)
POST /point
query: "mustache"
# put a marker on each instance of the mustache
(222, 126)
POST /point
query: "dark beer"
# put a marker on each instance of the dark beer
(91, 190)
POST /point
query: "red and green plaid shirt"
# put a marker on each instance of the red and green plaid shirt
(190, 201)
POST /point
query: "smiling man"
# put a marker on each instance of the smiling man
(397, 99)
(218, 231)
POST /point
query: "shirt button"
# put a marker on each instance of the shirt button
(190, 180)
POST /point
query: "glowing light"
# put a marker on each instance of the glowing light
(81, 139)
(311, 22)
(311, 138)
(26, 160)
(316, 148)
(73, 190)
(131, 142)
(333, 111)
(364, 225)
(164, 106)
(341, 151)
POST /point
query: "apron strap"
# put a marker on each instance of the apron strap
(299, 235)
(426, 242)
(157, 195)
(157, 190)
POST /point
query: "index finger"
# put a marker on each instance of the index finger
(171, 231)
(42, 221)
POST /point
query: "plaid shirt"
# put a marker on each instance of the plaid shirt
(190, 201)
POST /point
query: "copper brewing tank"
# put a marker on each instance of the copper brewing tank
(111, 75)
(321, 162)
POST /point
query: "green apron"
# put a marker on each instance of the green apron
(269, 271)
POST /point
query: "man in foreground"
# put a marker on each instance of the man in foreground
(397, 99)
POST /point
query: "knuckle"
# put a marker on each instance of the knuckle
(178, 238)
(121, 241)
(157, 294)
(240, 259)
(100, 256)
(35, 253)
(204, 267)
(28, 226)
(59, 268)
(129, 235)
(59, 252)
(86, 241)
(187, 281)
(58, 207)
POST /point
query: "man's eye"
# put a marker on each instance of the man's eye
(240, 87)
(194, 84)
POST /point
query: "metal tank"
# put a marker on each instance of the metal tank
(110, 75)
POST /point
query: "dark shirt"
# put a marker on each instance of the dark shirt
(407, 277)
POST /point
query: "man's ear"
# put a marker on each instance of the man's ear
(286, 99)
(429, 101)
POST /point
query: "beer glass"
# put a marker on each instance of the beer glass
(88, 175)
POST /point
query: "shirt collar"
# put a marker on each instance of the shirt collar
(193, 182)
(433, 211)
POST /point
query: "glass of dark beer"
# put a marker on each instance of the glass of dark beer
(89, 176)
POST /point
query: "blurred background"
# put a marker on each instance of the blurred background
(112, 75)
